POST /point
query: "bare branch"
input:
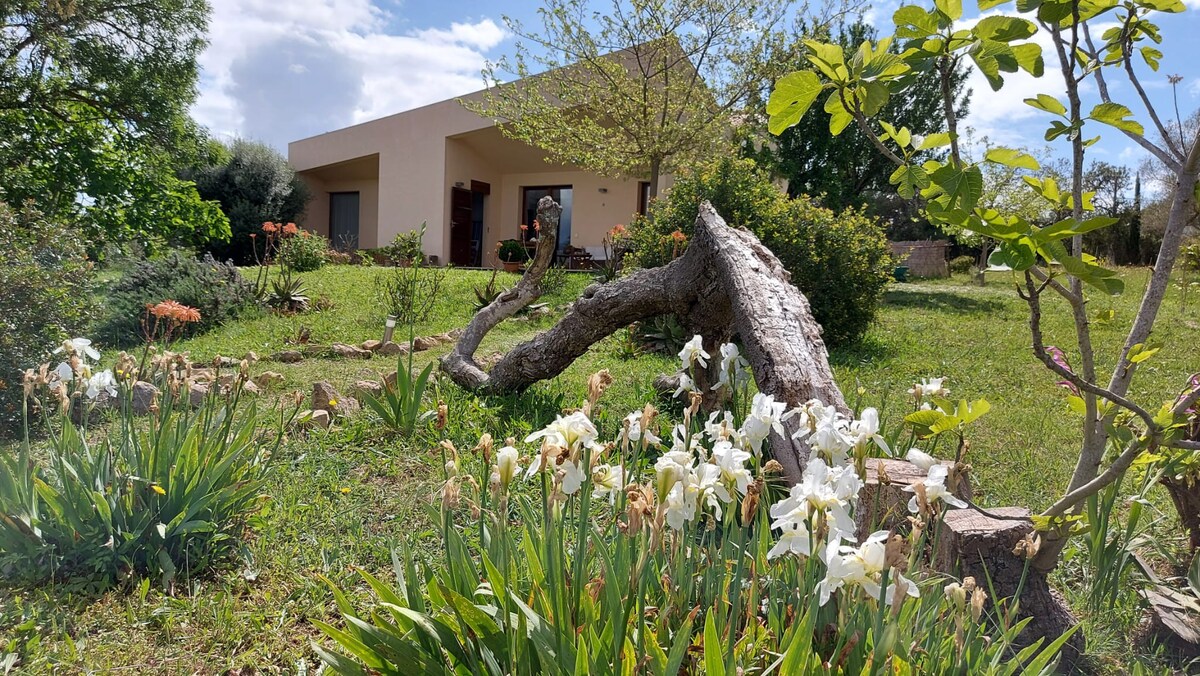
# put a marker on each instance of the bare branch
(1039, 350)
(1114, 472)
(1162, 155)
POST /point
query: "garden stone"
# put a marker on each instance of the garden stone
(251, 357)
(249, 387)
(94, 408)
(392, 349)
(349, 351)
(288, 357)
(444, 338)
(313, 418)
(268, 379)
(326, 398)
(145, 397)
(225, 362)
(423, 343)
(363, 388)
(202, 375)
(372, 345)
(197, 394)
(389, 381)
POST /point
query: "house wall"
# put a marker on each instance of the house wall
(412, 161)
(464, 165)
(418, 164)
(923, 258)
(316, 215)
(593, 213)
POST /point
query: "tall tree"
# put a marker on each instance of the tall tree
(846, 170)
(639, 89)
(253, 183)
(93, 113)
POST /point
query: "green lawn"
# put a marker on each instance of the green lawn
(342, 498)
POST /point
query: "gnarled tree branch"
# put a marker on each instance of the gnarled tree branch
(725, 283)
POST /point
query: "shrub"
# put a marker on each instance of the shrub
(166, 497)
(304, 253)
(1190, 255)
(253, 183)
(406, 247)
(960, 265)
(410, 293)
(841, 262)
(217, 290)
(46, 297)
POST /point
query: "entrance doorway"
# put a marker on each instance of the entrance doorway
(466, 224)
(343, 220)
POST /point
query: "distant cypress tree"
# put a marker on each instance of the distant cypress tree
(1134, 243)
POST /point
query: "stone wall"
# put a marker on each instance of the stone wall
(924, 259)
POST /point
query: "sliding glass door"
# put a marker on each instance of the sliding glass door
(560, 194)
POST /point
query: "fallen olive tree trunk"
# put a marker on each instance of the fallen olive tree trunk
(725, 284)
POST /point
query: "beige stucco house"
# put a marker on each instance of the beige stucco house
(453, 170)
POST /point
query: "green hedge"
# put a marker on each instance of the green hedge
(841, 262)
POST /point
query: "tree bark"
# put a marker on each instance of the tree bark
(460, 363)
(981, 546)
(726, 283)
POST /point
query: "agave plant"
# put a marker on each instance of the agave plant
(488, 293)
(288, 294)
(398, 405)
(663, 334)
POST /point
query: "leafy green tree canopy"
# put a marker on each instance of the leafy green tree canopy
(253, 183)
(640, 89)
(845, 170)
(93, 115)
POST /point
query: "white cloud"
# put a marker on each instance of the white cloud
(879, 14)
(1003, 116)
(279, 71)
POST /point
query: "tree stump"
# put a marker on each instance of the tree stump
(726, 283)
(883, 502)
(974, 544)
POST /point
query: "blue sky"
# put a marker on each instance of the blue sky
(280, 71)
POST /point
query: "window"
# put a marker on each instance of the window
(560, 194)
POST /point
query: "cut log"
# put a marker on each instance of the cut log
(979, 545)
(726, 283)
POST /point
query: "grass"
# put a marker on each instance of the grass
(342, 498)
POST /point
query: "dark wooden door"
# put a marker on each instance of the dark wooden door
(461, 229)
(343, 220)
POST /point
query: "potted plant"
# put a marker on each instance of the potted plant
(512, 254)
